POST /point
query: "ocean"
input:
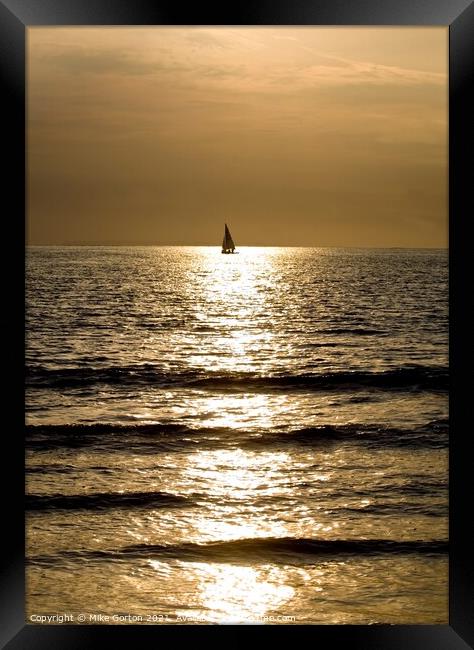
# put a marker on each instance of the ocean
(258, 438)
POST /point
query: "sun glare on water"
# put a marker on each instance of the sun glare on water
(232, 299)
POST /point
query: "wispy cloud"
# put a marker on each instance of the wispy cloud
(228, 58)
(343, 70)
(101, 61)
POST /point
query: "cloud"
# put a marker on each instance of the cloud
(99, 62)
(342, 70)
(284, 38)
(206, 39)
(228, 59)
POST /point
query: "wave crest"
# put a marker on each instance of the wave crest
(410, 377)
(103, 501)
(285, 550)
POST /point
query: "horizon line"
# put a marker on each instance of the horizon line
(128, 245)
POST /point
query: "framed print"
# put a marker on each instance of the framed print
(237, 237)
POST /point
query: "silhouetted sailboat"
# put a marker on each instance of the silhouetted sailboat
(228, 245)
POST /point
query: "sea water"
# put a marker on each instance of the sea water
(249, 438)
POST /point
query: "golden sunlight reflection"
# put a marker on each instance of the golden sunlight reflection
(234, 296)
(235, 472)
(236, 411)
(238, 594)
(231, 476)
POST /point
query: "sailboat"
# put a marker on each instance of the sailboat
(228, 245)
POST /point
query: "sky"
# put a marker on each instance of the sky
(294, 136)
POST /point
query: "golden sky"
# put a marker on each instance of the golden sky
(293, 136)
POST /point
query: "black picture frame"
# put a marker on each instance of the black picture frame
(15, 17)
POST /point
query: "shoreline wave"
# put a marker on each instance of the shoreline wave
(169, 436)
(286, 550)
(410, 377)
(103, 501)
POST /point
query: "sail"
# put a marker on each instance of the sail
(228, 242)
